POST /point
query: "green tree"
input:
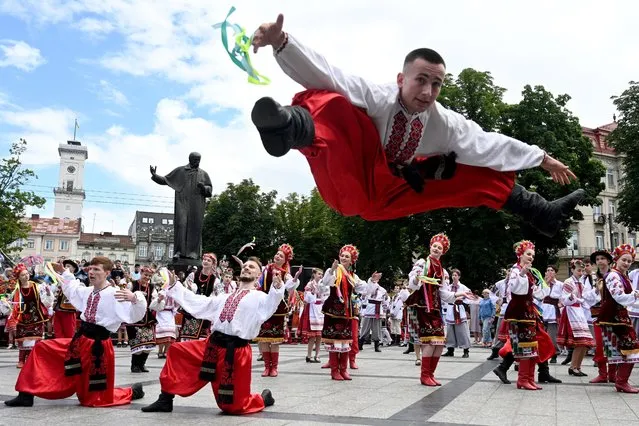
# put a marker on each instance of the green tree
(625, 140)
(13, 200)
(237, 215)
(309, 225)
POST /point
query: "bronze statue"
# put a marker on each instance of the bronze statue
(192, 186)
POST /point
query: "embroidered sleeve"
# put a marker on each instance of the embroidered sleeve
(516, 283)
(200, 306)
(269, 303)
(74, 290)
(131, 313)
(616, 289)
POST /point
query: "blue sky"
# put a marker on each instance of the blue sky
(149, 82)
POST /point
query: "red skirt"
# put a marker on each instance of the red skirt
(43, 374)
(351, 172)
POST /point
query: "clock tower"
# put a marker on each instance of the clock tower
(69, 192)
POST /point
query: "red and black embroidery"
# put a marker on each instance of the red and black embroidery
(231, 304)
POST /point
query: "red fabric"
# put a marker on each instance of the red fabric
(351, 172)
(355, 342)
(545, 345)
(64, 324)
(43, 374)
(180, 375)
(566, 337)
(599, 353)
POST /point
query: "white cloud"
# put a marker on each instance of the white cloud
(96, 27)
(20, 55)
(110, 94)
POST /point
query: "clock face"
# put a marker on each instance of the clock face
(71, 169)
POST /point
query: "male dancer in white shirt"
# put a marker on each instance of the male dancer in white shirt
(84, 365)
(386, 141)
(224, 359)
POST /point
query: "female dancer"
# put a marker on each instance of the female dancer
(619, 338)
(425, 325)
(339, 316)
(573, 325)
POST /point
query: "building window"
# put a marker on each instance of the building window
(612, 208)
(124, 258)
(69, 185)
(30, 243)
(99, 254)
(112, 256)
(64, 245)
(67, 208)
(142, 250)
(170, 221)
(632, 240)
(48, 244)
(145, 220)
(165, 222)
(610, 179)
(159, 251)
(596, 210)
(170, 250)
(86, 255)
(573, 243)
(599, 240)
(151, 220)
(615, 239)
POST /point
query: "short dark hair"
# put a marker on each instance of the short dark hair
(554, 268)
(429, 55)
(455, 271)
(256, 260)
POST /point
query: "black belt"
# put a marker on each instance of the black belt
(73, 362)
(209, 363)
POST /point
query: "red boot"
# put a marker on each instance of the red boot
(425, 377)
(351, 359)
(22, 357)
(328, 364)
(267, 363)
(343, 365)
(333, 360)
(433, 366)
(522, 378)
(603, 373)
(623, 374)
(275, 357)
(531, 373)
(612, 373)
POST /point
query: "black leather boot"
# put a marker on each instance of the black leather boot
(135, 363)
(138, 391)
(449, 352)
(282, 128)
(409, 349)
(494, 354)
(568, 359)
(547, 217)
(143, 358)
(267, 396)
(164, 404)
(501, 370)
(543, 375)
(377, 349)
(22, 400)
(466, 353)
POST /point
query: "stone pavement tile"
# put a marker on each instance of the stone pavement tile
(576, 418)
(453, 416)
(532, 420)
(607, 422)
(616, 414)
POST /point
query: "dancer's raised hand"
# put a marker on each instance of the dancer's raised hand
(269, 34)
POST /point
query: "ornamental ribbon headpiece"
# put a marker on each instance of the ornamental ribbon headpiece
(354, 252)
(442, 239)
(19, 268)
(211, 256)
(287, 249)
(576, 263)
(146, 270)
(623, 249)
(522, 246)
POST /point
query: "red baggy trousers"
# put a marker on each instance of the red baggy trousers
(352, 176)
(180, 375)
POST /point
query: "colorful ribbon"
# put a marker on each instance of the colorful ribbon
(240, 52)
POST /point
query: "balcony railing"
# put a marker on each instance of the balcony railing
(579, 252)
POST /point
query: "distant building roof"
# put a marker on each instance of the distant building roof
(54, 225)
(598, 137)
(106, 239)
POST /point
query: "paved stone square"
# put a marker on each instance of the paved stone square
(384, 391)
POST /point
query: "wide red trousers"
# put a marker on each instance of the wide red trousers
(43, 374)
(180, 375)
(64, 324)
(351, 172)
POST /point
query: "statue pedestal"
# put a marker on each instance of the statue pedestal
(183, 264)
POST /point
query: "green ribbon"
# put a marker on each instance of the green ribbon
(239, 54)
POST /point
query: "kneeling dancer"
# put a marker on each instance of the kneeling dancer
(84, 365)
(224, 359)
